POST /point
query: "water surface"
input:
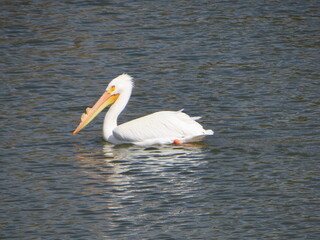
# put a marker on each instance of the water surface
(250, 69)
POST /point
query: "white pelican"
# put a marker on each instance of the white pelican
(165, 127)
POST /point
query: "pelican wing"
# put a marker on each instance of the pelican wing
(165, 125)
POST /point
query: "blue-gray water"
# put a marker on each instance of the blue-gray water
(249, 68)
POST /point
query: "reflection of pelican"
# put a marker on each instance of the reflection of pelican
(164, 127)
(154, 158)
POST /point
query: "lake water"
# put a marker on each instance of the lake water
(249, 68)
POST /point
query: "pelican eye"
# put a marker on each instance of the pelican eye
(111, 89)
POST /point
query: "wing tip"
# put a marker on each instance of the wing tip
(196, 118)
(209, 132)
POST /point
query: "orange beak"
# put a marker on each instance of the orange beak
(105, 100)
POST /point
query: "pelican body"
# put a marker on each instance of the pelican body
(165, 127)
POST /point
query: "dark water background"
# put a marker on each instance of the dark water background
(249, 68)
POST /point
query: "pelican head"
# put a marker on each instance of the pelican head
(120, 86)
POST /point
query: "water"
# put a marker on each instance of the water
(249, 68)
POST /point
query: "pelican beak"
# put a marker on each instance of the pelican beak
(105, 100)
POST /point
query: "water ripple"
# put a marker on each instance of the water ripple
(248, 68)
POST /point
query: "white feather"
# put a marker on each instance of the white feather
(166, 125)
